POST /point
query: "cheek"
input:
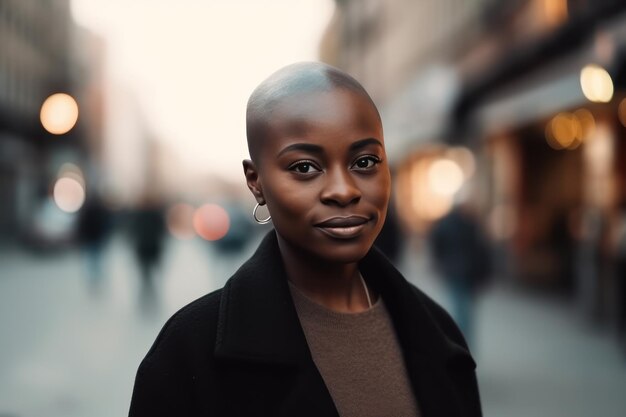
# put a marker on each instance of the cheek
(383, 196)
(379, 191)
(289, 202)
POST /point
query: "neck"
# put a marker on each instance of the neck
(336, 286)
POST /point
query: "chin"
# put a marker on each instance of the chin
(345, 255)
(323, 249)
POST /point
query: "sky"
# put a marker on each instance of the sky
(192, 64)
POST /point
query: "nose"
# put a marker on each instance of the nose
(340, 188)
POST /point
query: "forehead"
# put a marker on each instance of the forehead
(338, 115)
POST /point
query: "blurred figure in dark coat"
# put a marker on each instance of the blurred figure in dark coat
(147, 234)
(93, 228)
(461, 254)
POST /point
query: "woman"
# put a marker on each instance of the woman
(317, 322)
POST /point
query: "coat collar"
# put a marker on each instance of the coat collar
(257, 318)
(258, 323)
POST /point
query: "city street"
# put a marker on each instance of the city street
(70, 347)
(123, 126)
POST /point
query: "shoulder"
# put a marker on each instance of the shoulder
(169, 376)
(188, 333)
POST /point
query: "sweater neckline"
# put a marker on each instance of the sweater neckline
(306, 304)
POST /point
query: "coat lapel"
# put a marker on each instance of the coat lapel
(259, 337)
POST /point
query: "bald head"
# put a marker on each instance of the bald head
(293, 80)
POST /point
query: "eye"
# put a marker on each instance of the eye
(303, 167)
(366, 162)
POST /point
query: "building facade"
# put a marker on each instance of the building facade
(40, 54)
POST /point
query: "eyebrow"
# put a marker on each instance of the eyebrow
(364, 142)
(309, 147)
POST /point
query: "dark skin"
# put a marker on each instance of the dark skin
(322, 172)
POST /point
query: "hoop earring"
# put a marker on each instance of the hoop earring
(256, 219)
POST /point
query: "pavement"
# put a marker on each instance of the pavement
(71, 345)
(537, 354)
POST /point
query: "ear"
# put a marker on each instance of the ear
(252, 180)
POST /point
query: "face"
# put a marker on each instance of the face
(323, 174)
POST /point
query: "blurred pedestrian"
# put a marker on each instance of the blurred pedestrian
(94, 223)
(461, 254)
(147, 233)
(317, 322)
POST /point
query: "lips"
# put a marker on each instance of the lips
(343, 227)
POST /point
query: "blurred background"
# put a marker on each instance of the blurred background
(122, 198)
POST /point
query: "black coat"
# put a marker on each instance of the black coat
(240, 351)
(460, 250)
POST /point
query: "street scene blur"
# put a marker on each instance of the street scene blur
(122, 195)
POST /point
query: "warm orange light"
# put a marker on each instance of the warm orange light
(211, 222)
(587, 122)
(568, 130)
(552, 142)
(556, 11)
(59, 113)
(596, 84)
(69, 194)
(180, 221)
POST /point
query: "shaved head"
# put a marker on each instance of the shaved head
(293, 80)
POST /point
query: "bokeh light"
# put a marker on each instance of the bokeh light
(568, 130)
(465, 158)
(180, 221)
(211, 222)
(587, 122)
(596, 84)
(426, 205)
(556, 11)
(445, 177)
(69, 194)
(59, 113)
(73, 171)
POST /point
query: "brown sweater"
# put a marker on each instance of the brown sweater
(359, 358)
